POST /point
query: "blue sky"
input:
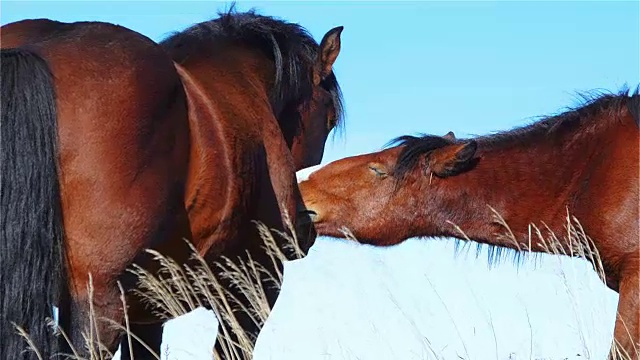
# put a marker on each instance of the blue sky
(406, 67)
(409, 67)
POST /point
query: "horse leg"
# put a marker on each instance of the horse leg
(145, 327)
(278, 196)
(626, 333)
(275, 199)
(117, 241)
(231, 347)
(105, 313)
(229, 344)
(143, 338)
(94, 310)
(151, 337)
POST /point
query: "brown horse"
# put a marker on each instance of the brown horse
(112, 144)
(584, 161)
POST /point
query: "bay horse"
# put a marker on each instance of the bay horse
(112, 144)
(584, 161)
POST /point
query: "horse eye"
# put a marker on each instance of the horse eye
(332, 120)
(331, 123)
(379, 172)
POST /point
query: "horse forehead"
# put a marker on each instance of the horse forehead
(303, 174)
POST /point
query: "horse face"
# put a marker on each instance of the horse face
(378, 200)
(318, 118)
(319, 114)
(357, 193)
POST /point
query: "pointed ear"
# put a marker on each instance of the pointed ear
(452, 160)
(450, 136)
(327, 54)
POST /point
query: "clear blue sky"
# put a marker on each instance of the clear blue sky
(409, 67)
(406, 67)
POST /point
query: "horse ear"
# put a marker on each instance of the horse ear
(327, 54)
(450, 136)
(452, 160)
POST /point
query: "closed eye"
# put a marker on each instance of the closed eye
(379, 172)
(331, 122)
(331, 116)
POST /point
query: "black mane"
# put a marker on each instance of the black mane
(594, 104)
(414, 148)
(289, 45)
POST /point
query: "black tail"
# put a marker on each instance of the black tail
(32, 269)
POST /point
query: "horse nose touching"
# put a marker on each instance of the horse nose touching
(308, 210)
(312, 215)
(305, 214)
(305, 227)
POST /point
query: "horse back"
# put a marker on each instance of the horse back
(28, 31)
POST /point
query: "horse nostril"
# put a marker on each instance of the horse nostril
(312, 214)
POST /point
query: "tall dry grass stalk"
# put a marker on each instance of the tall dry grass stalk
(574, 243)
(180, 288)
(176, 289)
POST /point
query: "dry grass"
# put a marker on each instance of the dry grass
(574, 243)
(179, 288)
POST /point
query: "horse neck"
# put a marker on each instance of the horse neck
(515, 182)
(234, 70)
(231, 119)
(228, 116)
